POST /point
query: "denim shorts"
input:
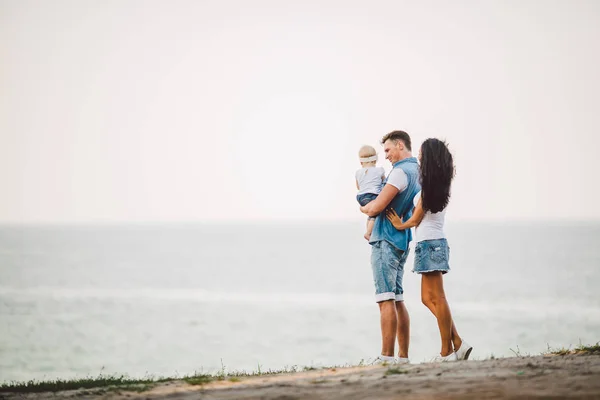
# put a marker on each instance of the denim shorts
(432, 255)
(365, 198)
(387, 263)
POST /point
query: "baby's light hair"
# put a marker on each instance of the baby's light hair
(368, 156)
(367, 151)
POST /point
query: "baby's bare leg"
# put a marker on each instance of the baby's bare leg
(370, 223)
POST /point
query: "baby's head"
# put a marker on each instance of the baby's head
(367, 156)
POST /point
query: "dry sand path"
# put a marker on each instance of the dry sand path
(547, 377)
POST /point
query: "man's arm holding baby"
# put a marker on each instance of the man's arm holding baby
(397, 182)
(381, 202)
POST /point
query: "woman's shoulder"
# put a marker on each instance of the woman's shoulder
(416, 198)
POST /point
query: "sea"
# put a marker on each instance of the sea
(169, 300)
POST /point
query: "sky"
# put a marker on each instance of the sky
(117, 111)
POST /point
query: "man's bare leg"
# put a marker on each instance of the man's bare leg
(403, 329)
(389, 323)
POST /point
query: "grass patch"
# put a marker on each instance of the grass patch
(559, 352)
(129, 388)
(127, 384)
(591, 349)
(395, 371)
(581, 349)
(102, 381)
(199, 379)
(517, 353)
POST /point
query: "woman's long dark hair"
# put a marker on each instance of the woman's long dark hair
(437, 171)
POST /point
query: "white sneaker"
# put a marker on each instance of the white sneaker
(449, 358)
(464, 351)
(402, 360)
(381, 360)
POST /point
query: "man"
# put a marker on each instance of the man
(390, 246)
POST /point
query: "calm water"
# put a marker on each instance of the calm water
(174, 299)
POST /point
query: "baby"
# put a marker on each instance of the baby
(369, 180)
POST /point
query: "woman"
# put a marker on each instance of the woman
(432, 251)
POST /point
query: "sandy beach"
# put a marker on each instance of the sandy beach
(571, 376)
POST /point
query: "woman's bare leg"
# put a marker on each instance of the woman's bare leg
(433, 296)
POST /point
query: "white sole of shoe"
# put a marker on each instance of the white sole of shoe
(468, 353)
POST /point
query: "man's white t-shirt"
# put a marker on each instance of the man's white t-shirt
(398, 179)
(432, 225)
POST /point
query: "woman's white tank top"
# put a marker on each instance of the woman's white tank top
(432, 225)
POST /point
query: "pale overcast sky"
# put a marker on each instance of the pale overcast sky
(194, 110)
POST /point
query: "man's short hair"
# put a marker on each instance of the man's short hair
(398, 135)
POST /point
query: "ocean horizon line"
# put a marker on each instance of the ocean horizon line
(281, 222)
